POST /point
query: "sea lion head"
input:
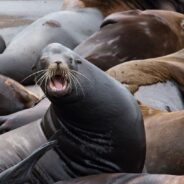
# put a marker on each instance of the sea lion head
(57, 71)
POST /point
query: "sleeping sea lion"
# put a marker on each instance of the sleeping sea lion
(134, 34)
(66, 27)
(158, 84)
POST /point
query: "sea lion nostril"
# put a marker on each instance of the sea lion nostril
(58, 62)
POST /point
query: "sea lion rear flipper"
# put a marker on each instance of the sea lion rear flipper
(21, 172)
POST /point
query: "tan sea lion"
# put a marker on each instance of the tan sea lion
(164, 141)
(14, 97)
(96, 133)
(159, 82)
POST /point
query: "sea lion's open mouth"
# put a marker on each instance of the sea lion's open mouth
(58, 83)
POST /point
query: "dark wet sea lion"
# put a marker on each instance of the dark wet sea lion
(98, 133)
(71, 86)
(66, 27)
(2, 44)
(123, 5)
(158, 82)
(21, 172)
(132, 35)
(121, 178)
(14, 97)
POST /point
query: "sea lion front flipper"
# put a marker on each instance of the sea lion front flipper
(21, 172)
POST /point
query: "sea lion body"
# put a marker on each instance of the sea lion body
(2, 44)
(67, 27)
(164, 136)
(161, 76)
(119, 5)
(23, 117)
(134, 34)
(158, 82)
(121, 178)
(14, 97)
(98, 132)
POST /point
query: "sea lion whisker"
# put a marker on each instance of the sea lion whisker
(78, 83)
(37, 81)
(78, 73)
(32, 75)
(38, 77)
(41, 79)
(72, 79)
(46, 79)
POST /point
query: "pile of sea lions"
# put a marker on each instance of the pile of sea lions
(93, 94)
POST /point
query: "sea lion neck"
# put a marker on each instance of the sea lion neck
(78, 115)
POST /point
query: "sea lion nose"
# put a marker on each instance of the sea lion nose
(58, 62)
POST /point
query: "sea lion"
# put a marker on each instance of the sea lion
(21, 173)
(162, 75)
(23, 117)
(164, 141)
(134, 34)
(67, 27)
(122, 178)
(158, 83)
(14, 97)
(2, 44)
(123, 5)
(103, 130)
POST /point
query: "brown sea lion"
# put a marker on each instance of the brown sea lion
(161, 79)
(134, 34)
(123, 5)
(164, 141)
(159, 83)
(14, 97)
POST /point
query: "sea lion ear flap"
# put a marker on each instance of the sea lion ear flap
(33, 68)
(21, 172)
(107, 22)
(182, 24)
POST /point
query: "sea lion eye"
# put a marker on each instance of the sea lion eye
(107, 22)
(79, 61)
(182, 24)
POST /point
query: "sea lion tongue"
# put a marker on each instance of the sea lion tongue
(57, 83)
